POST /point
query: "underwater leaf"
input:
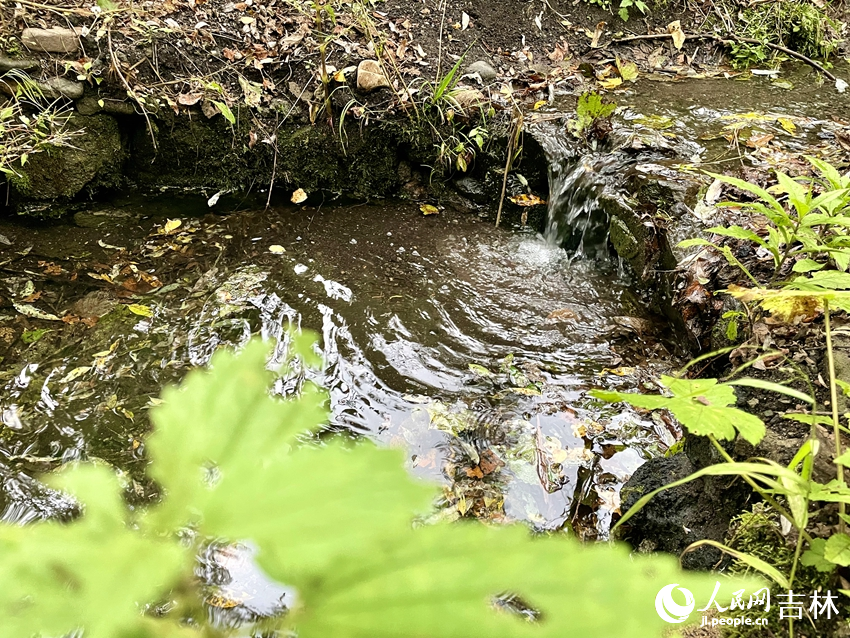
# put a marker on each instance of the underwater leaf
(527, 200)
(480, 370)
(141, 310)
(701, 405)
(94, 573)
(628, 70)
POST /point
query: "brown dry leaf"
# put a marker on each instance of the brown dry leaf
(759, 141)
(527, 200)
(189, 99)
(50, 268)
(474, 472)
(489, 462)
(560, 316)
(675, 29)
(594, 37)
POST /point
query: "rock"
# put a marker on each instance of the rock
(93, 161)
(53, 40)
(9, 64)
(472, 189)
(484, 70)
(469, 99)
(61, 87)
(90, 105)
(370, 76)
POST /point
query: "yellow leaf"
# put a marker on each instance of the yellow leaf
(427, 209)
(76, 373)
(527, 200)
(628, 70)
(277, 249)
(171, 225)
(139, 309)
(675, 29)
(787, 124)
(540, 104)
(339, 76)
(299, 196)
(611, 83)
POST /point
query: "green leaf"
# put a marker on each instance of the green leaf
(480, 370)
(225, 111)
(837, 549)
(31, 336)
(814, 556)
(807, 265)
(94, 573)
(440, 581)
(748, 559)
(736, 232)
(240, 422)
(702, 406)
(773, 387)
(759, 192)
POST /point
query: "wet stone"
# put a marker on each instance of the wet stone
(10, 64)
(61, 87)
(472, 189)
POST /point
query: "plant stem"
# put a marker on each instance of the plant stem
(833, 397)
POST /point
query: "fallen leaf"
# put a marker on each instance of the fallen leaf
(527, 200)
(628, 70)
(76, 373)
(428, 209)
(189, 99)
(559, 316)
(611, 83)
(675, 29)
(139, 309)
(540, 104)
(787, 124)
(35, 313)
(759, 141)
(299, 196)
(464, 21)
(277, 249)
(170, 226)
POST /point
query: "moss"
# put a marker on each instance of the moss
(758, 533)
(61, 173)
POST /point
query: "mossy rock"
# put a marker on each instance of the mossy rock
(63, 172)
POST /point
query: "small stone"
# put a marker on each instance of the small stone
(61, 87)
(483, 69)
(9, 64)
(53, 40)
(469, 99)
(370, 76)
(88, 106)
(472, 189)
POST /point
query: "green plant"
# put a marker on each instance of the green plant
(27, 126)
(799, 25)
(816, 227)
(623, 7)
(591, 111)
(333, 521)
(802, 225)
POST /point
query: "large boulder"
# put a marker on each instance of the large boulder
(94, 160)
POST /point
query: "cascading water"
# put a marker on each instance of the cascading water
(577, 220)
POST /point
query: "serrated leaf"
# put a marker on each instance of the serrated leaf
(701, 405)
(814, 556)
(837, 550)
(93, 573)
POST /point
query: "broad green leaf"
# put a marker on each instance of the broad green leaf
(238, 420)
(814, 556)
(94, 573)
(837, 549)
(807, 265)
(798, 195)
(772, 387)
(831, 174)
(317, 504)
(736, 232)
(440, 581)
(702, 406)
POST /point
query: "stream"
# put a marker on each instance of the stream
(469, 346)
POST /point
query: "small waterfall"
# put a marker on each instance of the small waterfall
(577, 220)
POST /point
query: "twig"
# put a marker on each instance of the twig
(35, 5)
(440, 52)
(514, 132)
(130, 92)
(732, 39)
